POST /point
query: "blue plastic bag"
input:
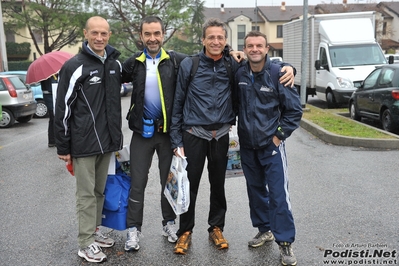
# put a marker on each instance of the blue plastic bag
(116, 193)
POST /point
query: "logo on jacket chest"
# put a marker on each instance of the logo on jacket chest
(94, 80)
(266, 89)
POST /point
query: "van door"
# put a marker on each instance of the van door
(323, 74)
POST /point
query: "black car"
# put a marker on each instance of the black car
(378, 97)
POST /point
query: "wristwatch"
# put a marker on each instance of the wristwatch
(280, 133)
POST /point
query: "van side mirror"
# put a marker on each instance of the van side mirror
(358, 84)
(317, 64)
(390, 59)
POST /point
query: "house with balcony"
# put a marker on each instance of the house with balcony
(390, 26)
(267, 19)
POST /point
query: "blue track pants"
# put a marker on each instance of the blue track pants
(265, 172)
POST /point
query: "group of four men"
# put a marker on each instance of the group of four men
(190, 111)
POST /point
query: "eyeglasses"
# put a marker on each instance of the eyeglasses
(220, 38)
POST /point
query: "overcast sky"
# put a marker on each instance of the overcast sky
(251, 3)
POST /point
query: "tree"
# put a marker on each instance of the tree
(126, 15)
(188, 41)
(57, 22)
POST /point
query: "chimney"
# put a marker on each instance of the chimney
(283, 6)
(222, 8)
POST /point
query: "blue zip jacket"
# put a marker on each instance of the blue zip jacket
(206, 100)
(265, 106)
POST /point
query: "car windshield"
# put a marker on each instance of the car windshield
(355, 55)
(17, 82)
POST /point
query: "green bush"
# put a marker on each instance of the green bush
(17, 51)
(18, 65)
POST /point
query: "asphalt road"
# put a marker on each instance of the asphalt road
(344, 200)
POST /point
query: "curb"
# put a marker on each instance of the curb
(326, 136)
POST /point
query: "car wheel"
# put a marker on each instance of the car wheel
(8, 119)
(24, 119)
(386, 121)
(353, 113)
(330, 99)
(41, 109)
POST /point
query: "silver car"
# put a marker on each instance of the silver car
(17, 101)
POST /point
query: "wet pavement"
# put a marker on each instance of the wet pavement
(344, 201)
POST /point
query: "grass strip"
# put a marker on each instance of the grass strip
(341, 125)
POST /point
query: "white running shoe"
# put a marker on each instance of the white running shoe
(169, 230)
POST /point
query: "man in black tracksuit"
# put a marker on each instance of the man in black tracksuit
(153, 75)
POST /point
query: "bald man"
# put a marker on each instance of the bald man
(88, 129)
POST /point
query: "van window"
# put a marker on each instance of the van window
(323, 57)
(355, 55)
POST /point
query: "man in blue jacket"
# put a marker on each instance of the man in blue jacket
(268, 113)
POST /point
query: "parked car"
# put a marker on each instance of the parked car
(17, 101)
(126, 88)
(41, 109)
(378, 97)
(276, 59)
(395, 58)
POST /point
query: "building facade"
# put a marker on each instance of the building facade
(269, 20)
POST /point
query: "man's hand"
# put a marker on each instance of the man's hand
(179, 152)
(288, 78)
(67, 158)
(237, 55)
(276, 141)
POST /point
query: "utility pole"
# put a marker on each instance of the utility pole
(256, 15)
(304, 53)
(3, 51)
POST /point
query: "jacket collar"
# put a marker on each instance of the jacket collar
(162, 55)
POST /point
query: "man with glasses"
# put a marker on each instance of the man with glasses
(201, 120)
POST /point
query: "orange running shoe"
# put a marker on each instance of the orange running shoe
(182, 244)
(217, 237)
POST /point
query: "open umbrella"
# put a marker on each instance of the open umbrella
(46, 66)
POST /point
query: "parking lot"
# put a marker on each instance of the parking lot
(322, 104)
(344, 202)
